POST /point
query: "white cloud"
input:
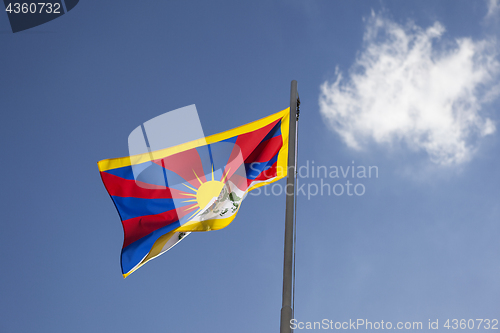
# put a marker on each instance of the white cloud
(493, 8)
(406, 86)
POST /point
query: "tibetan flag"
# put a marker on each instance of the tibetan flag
(162, 196)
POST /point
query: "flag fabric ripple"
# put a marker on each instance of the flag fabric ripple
(164, 195)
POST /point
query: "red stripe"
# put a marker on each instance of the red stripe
(249, 141)
(235, 164)
(243, 183)
(266, 150)
(268, 174)
(240, 182)
(121, 187)
(138, 227)
(185, 164)
(245, 147)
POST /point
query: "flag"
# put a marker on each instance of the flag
(162, 196)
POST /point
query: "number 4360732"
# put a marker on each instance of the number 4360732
(471, 324)
(34, 8)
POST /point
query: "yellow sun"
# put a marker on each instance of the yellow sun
(207, 191)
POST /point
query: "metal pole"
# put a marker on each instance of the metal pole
(286, 309)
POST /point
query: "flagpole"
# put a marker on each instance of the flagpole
(286, 309)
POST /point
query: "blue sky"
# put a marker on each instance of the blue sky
(421, 242)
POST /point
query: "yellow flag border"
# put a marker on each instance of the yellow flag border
(120, 162)
(281, 167)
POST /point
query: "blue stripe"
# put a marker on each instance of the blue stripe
(135, 252)
(221, 152)
(206, 161)
(125, 172)
(211, 158)
(217, 155)
(150, 173)
(254, 169)
(129, 207)
(230, 140)
(275, 131)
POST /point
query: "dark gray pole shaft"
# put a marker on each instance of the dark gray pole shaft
(286, 309)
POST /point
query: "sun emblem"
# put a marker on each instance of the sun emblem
(205, 193)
